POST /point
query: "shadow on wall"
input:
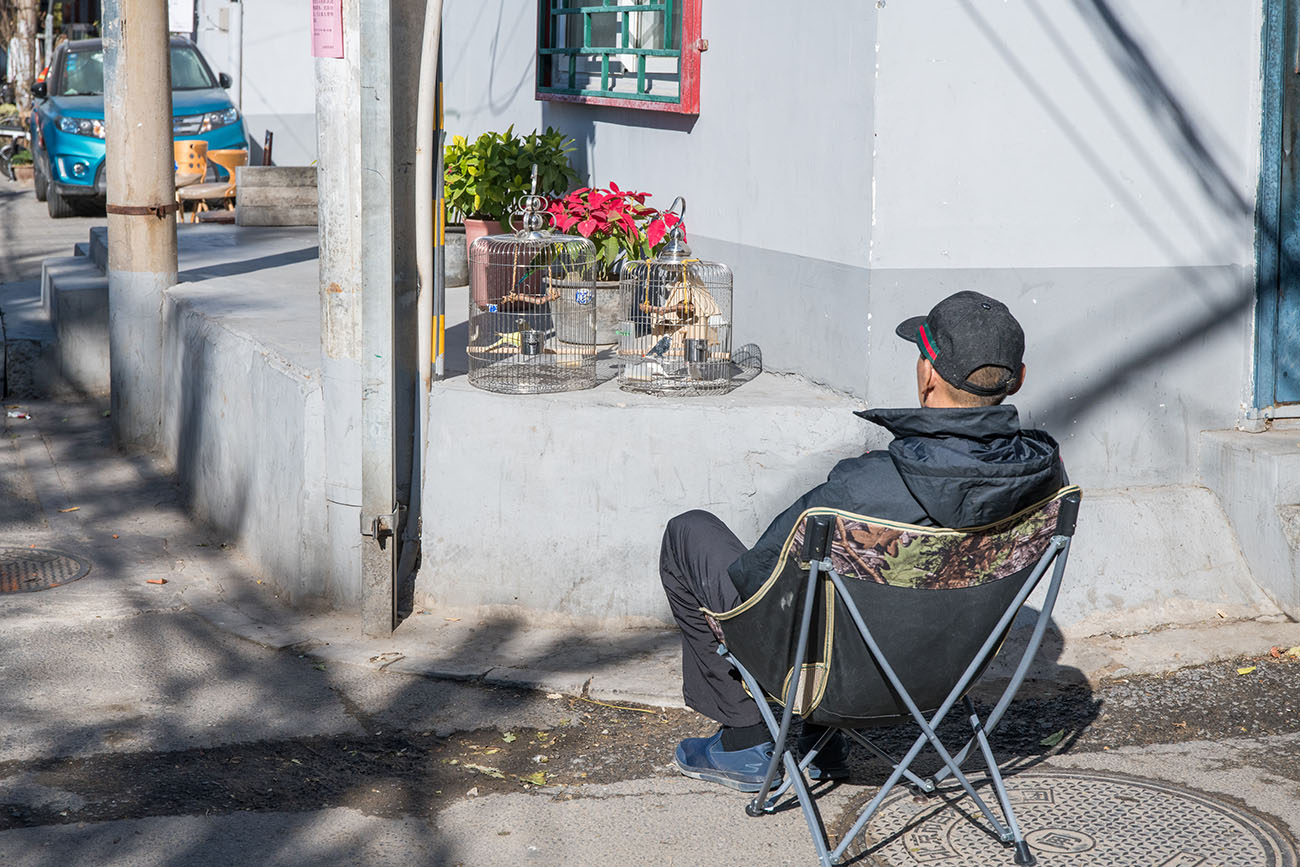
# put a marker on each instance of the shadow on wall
(580, 122)
(1184, 139)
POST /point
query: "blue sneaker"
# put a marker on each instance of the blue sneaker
(705, 759)
(832, 760)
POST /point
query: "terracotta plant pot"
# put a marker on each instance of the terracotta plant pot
(475, 229)
(23, 174)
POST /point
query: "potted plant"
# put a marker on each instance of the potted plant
(484, 178)
(21, 165)
(623, 228)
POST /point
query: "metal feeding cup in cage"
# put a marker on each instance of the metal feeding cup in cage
(674, 336)
(532, 307)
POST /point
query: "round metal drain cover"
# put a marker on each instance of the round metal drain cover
(23, 570)
(1075, 818)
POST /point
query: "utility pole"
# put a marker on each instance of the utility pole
(49, 31)
(338, 191)
(379, 510)
(141, 211)
(27, 12)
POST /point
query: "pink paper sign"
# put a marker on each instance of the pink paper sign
(326, 28)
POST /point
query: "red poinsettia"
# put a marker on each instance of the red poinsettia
(618, 222)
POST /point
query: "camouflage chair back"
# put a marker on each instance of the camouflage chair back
(898, 621)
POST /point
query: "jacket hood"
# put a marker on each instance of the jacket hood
(970, 466)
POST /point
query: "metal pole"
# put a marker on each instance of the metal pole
(141, 211)
(440, 239)
(378, 485)
(338, 190)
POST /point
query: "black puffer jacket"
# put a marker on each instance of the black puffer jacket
(945, 468)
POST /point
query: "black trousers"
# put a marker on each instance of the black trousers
(697, 549)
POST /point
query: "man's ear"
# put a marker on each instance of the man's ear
(1020, 381)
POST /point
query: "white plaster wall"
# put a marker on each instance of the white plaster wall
(1016, 135)
(278, 82)
(779, 157)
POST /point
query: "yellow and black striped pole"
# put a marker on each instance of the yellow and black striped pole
(439, 234)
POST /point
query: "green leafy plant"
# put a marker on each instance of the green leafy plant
(484, 178)
(618, 222)
(21, 158)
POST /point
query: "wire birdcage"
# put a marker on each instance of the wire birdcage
(532, 308)
(675, 335)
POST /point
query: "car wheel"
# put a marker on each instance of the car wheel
(39, 181)
(58, 205)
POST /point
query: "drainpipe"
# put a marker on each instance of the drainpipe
(428, 238)
(141, 211)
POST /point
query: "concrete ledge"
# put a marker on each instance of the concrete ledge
(276, 196)
(242, 420)
(556, 503)
(74, 294)
(1153, 556)
(1257, 477)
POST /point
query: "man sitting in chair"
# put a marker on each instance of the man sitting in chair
(960, 460)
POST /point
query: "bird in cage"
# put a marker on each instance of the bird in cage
(689, 311)
(509, 338)
(660, 347)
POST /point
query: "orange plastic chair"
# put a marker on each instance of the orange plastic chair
(201, 194)
(191, 157)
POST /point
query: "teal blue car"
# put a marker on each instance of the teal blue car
(67, 125)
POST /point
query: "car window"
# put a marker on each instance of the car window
(83, 73)
(189, 72)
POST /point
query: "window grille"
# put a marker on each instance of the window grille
(631, 53)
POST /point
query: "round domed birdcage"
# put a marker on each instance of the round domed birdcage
(532, 308)
(675, 335)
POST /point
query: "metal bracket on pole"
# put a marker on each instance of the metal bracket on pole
(382, 527)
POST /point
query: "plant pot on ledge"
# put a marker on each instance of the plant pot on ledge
(455, 256)
(572, 320)
(623, 228)
(23, 174)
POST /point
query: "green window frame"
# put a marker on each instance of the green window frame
(629, 53)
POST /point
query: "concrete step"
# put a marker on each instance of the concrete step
(24, 317)
(99, 248)
(1257, 478)
(74, 297)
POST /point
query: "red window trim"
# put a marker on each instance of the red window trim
(692, 46)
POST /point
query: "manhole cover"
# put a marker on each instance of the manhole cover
(1074, 818)
(26, 569)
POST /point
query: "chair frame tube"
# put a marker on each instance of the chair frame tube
(1055, 555)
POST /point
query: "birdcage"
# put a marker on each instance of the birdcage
(675, 334)
(532, 308)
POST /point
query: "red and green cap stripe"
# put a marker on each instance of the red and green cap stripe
(923, 340)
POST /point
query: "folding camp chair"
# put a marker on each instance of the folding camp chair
(898, 621)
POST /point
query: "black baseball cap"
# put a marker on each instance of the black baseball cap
(967, 331)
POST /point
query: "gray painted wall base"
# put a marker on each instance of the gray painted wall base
(1257, 476)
